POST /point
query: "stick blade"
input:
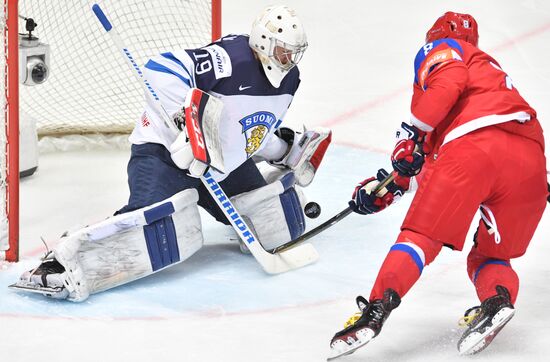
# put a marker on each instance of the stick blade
(290, 259)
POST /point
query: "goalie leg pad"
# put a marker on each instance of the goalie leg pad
(129, 246)
(275, 211)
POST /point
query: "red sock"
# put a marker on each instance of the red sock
(486, 273)
(404, 263)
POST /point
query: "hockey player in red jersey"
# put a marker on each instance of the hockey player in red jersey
(479, 146)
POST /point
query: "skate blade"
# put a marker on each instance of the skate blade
(363, 337)
(480, 341)
(55, 292)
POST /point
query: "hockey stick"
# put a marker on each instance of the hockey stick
(272, 263)
(333, 220)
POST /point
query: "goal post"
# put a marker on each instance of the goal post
(9, 137)
(88, 89)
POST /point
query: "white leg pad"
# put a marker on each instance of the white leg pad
(275, 211)
(129, 246)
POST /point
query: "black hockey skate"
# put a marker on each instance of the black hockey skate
(365, 325)
(484, 322)
(46, 279)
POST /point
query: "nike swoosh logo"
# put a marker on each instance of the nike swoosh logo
(241, 88)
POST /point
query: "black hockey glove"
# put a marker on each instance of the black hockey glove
(365, 202)
(408, 156)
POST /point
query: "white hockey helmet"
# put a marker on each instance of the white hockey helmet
(279, 40)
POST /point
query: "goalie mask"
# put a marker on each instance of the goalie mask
(279, 40)
(455, 26)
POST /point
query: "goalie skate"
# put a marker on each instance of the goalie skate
(53, 292)
(47, 279)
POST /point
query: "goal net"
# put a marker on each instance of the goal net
(89, 88)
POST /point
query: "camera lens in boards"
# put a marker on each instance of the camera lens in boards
(37, 70)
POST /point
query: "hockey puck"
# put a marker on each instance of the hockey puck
(312, 210)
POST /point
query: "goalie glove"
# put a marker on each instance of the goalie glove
(408, 155)
(364, 202)
(305, 152)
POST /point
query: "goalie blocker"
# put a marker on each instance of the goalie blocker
(199, 147)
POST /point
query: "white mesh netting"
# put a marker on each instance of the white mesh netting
(90, 89)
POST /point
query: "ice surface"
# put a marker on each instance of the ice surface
(219, 305)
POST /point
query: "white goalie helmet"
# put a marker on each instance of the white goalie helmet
(279, 40)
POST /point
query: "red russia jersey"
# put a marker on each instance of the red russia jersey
(459, 88)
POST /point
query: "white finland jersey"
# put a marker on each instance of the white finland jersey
(227, 69)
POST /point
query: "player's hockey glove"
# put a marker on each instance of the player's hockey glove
(365, 202)
(408, 155)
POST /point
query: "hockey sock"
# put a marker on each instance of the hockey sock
(404, 263)
(486, 273)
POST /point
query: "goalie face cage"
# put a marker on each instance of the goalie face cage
(89, 88)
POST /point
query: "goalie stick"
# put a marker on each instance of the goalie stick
(276, 263)
(333, 220)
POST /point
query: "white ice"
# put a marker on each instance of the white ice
(219, 305)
